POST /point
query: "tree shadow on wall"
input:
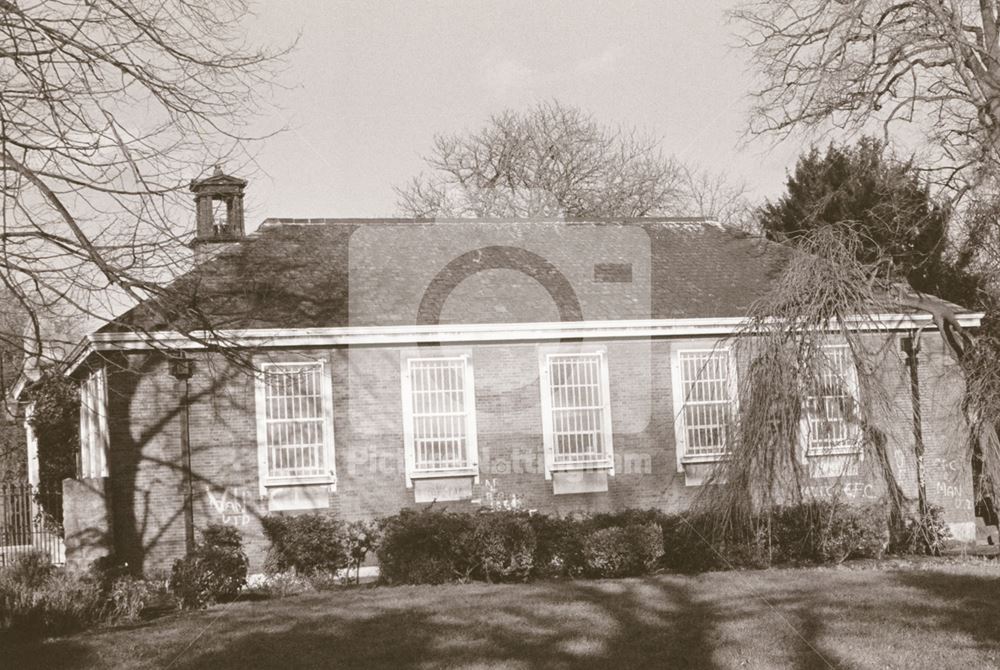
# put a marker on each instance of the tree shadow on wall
(146, 465)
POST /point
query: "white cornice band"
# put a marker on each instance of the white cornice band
(460, 333)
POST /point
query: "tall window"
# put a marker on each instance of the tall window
(295, 422)
(705, 399)
(94, 438)
(830, 416)
(576, 411)
(439, 416)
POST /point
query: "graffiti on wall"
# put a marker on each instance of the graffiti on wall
(230, 505)
(496, 499)
(947, 489)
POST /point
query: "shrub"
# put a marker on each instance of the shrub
(624, 518)
(127, 597)
(61, 604)
(632, 549)
(809, 532)
(306, 543)
(748, 548)
(645, 543)
(426, 547)
(854, 532)
(688, 545)
(926, 533)
(324, 581)
(215, 570)
(434, 546)
(280, 585)
(30, 570)
(797, 531)
(605, 553)
(504, 546)
(823, 531)
(362, 538)
(558, 545)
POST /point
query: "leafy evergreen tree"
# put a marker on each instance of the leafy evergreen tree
(884, 202)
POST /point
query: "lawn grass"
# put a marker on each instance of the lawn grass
(913, 615)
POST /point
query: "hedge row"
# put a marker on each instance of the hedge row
(317, 545)
(435, 545)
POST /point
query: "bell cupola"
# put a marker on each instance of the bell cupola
(219, 206)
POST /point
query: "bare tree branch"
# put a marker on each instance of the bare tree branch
(108, 110)
(883, 63)
(551, 160)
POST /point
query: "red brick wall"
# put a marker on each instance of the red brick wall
(148, 486)
(145, 462)
(947, 470)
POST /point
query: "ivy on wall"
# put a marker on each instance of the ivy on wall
(56, 422)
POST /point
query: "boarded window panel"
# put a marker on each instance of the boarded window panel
(830, 407)
(94, 438)
(577, 399)
(294, 422)
(707, 389)
(440, 415)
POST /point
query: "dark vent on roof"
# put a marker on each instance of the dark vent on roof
(613, 273)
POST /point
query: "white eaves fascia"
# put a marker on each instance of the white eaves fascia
(458, 333)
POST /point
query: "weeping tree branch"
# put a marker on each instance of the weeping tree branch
(825, 296)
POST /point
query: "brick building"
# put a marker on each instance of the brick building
(380, 364)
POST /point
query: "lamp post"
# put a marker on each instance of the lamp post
(182, 369)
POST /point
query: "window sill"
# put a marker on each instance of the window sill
(604, 464)
(298, 496)
(276, 482)
(472, 471)
(704, 458)
(846, 450)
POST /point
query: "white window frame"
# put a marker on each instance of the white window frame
(851, 446)
(471, 466)
(327, 453)
(679, 401)
(95, 442)
(546, 355)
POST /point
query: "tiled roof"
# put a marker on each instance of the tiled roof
(302, 273)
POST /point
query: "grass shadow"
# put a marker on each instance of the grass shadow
(56, 654)
(626, 623)
(966, 603)
(803, 619)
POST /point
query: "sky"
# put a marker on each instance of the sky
(370, 83)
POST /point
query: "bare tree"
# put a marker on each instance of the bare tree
(551, 160)
(108, 109)
(930, 63)
(716, 196)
